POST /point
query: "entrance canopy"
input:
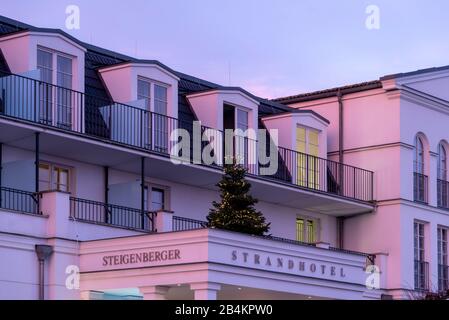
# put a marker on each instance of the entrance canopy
(216, 264)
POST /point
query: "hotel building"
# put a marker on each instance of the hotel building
(92, 205)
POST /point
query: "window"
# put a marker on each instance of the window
(421, 267)
(157, 199)
(55, 103)
(442, 184)
(45, 65)
(442, 162)
(419, 155)
(241, 140)
(144, 92)
(443, 269)
(156, 123)
(242, 120)
(306, 230)
(145, 88)
(52, 177)
(419, 179)
(160, 99)
(307, 163)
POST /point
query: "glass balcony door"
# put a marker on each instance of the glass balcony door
(55, 102)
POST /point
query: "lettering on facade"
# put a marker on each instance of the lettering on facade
(298, 265)
(141, 257)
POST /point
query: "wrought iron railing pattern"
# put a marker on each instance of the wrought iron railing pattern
(443, 278)
(420, 187)
(19, 200)
(65, 109)
(99, 212)
(183, 224)
(443, 194)
(421, 272)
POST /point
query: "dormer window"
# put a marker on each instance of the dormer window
(45, 65)
(160, 99)
(146, 89)
(242, 120)
(49, 63)
(55, 103)
(307, 141)
(144, 92)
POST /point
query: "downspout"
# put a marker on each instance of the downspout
(142, 192)
(1, 170)
(36, 170)
(340, 127)
(42, 252)
(106, 192)
(340, 220)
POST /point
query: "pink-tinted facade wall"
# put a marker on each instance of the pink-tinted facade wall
(380, 126)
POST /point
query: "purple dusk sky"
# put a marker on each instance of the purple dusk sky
(271, 48)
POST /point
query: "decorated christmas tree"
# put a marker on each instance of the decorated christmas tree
(236, 211)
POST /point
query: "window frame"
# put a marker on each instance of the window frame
(419, 158)
(305, 230)
(442, 162)
(166, 195)
(54, 63)
(442, 244)
(150, 104)
(307, 143)
(419, 249)
(55, 186)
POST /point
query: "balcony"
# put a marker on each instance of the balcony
(113, 215)
(420, 188)
(421, 275)
(19, 201)
(443, 194)
(69, 111)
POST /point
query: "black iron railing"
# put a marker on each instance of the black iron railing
(443, 278)
(99, 212)
(324, 175)
(443, 194)
(183, 224)
(420, 187)
(66, 109)
(41, 102)
(19, 200)
(421, 275)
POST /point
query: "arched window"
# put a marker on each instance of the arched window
(420, 183)
(419, 155)
(442, 185)
(442, 162)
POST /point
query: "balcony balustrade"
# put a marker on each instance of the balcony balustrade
(19, 200)
(99, 212)
(72, 111)
(443, 194)
(422, 275)
(420, 187)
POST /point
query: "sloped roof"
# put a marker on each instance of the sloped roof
(357, 87)
(97, 57)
